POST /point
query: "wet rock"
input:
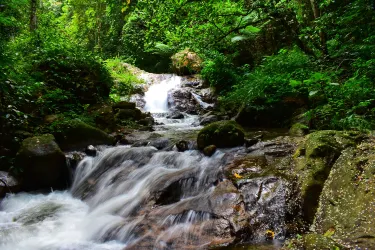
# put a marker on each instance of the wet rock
(209, 119)
(73, 158)
(8, 184)
(138, 100)
(91, 151)
(161, 143)
(43, 163)
(76, 135)
(299, 129)
(265, 199)
(182, 146)
(124, 105)
(222, 134)
(142, 143)
(209, 150)
(175, 115)
(182, 100)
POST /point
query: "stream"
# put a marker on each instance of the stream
(144, 198)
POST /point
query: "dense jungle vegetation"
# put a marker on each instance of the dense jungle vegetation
(272, 62)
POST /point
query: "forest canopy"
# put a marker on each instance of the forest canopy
(310, 61)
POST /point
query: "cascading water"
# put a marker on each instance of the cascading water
(157, 95)
(157, 103)
(142, 198)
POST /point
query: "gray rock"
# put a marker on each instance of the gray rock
(8, 184)
(175, 115)
(209, 119)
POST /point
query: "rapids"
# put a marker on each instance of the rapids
(142, 198)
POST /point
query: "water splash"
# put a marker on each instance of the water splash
(157, 95)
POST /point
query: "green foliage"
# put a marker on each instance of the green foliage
(219, 71)
(124, 80)
(270, 83)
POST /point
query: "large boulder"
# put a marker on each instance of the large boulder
(42, 163)
(314, 160)
(75, 135)
(124, 105)
(346, 206)
(128, 114)
(222, 134)
(186, 62)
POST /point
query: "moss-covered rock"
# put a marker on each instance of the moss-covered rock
(347, 203)
(186, 62)
(128, 114)
(75, 134)
(124, 105)
(42, 163)
(314, 160)
(299, 129)
(105, 118)
(313, 241)
(209, 150)
(222, 134)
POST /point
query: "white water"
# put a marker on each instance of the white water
(105, 220)
(116, 200)
(98, 212)
(157, 95)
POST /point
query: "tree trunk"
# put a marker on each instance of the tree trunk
(33, 17)
(322, 34)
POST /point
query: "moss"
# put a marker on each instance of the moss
(313, 241)
(42, 163)
(221, 134)
(128, 114)
(347, 200)
(299, 129)
(322, 148)
(75, 134)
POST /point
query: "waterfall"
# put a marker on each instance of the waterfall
(143, 198)
(157, 95)
(106, 206)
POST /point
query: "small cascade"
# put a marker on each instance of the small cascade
(157, 95)
(158, 103)
(144, 198)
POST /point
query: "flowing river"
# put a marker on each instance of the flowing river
(144, 198)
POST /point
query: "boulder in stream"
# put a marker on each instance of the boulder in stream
(43, 163)
(222, 134)
(347, 205)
